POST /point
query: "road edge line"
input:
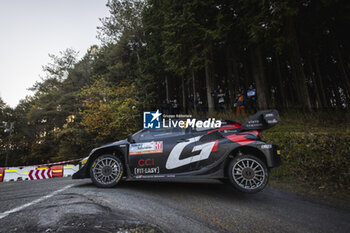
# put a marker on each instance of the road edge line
(6, 213)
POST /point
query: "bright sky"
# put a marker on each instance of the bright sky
(31, 29)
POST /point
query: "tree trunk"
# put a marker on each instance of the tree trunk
(232, 73)
(229, 75)
(283, 101)
(259, 77)
(184, 102)
(318, 101)
(235, 79)
(344, 77)
(338, 102)
(320, 79)
(194, 90)
(209, 85)
(300, 79)
(167, 88)
(246, 71)
(290, 91)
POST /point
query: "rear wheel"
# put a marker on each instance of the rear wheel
(248, 173)
(106, 171)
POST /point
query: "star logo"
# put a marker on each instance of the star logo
(151, 120)
(155, 115)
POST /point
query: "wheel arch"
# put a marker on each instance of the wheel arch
(113, 150)
(247, 150)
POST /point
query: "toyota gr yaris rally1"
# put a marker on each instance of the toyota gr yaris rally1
(233, 152)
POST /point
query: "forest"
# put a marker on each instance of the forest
(296, 53)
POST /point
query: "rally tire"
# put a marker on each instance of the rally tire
(248, 174)
(106, 171)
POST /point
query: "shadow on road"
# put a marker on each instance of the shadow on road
(208, 188)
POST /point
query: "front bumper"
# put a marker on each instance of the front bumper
(272, 155)
(82, 173)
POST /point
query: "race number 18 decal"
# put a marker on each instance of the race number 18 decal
(174, 160)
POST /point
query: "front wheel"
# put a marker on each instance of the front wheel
(248, 174)
(106, 171)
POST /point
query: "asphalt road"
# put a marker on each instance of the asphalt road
(65, 205)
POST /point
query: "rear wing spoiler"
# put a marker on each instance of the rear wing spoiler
(262, 120)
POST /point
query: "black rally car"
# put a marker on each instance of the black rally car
(232, 152)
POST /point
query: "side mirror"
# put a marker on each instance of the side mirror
(130, 139)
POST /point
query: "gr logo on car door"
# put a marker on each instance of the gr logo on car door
(171, 151)
(174, 160)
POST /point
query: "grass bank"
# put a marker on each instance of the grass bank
(315, 152)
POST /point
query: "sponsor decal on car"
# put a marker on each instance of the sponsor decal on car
(254, 123)
(266, 146)
(154, 176)
(240, 139)
(204, 150)
(146, 148)
(146, 170)
(145, 162)
(274, 121)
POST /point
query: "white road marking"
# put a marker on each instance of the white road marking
(4, 214)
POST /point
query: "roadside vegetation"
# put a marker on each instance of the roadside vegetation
(315, 153)
(295, 53)
(315, 150)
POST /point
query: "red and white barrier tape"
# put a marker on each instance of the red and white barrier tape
(62, 162)
(49, 164)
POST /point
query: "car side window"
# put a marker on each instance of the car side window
(156, 134)
(167, 132)
(145, 136)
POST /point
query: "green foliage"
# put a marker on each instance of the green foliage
(110, 111)
(125, 18)
(315, 157)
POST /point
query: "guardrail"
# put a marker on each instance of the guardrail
(2, 171)
(41, 171)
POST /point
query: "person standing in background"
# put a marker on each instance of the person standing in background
(252, 99)
(240, 103)
(176, 107)
(221, 100)
(165, 107)
(191, 102)
(199, 103)
(214, 94)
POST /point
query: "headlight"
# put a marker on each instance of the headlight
(83, 161)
